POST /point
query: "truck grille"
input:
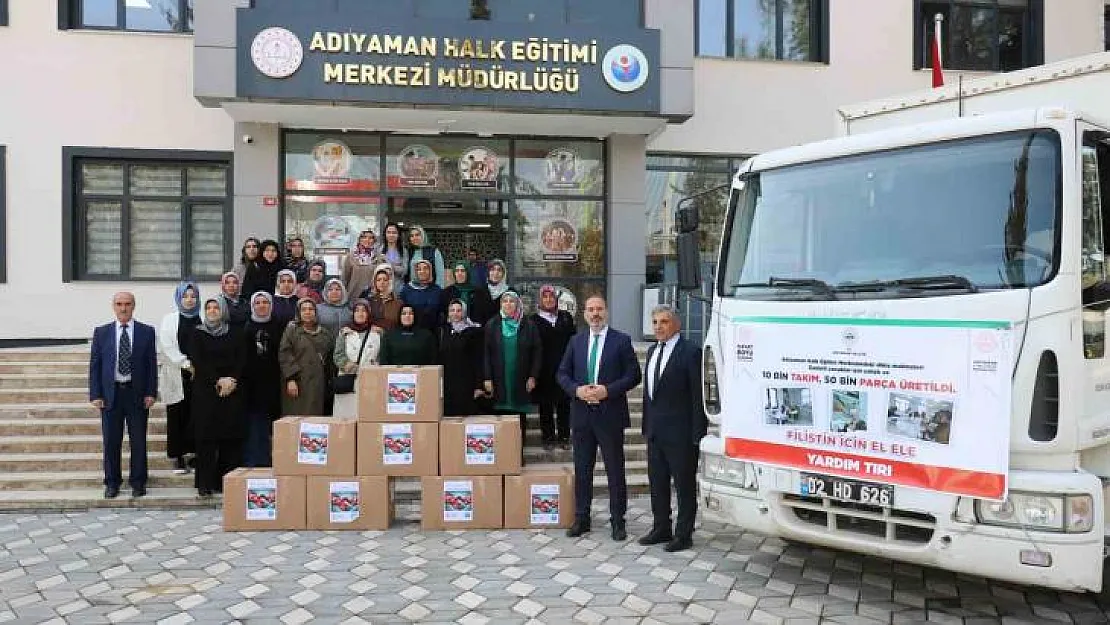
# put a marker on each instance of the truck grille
(889, 525)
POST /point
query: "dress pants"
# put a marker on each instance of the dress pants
(256, 450)
(677, 461)
(126, 411)
(555, 417)
(585, 441)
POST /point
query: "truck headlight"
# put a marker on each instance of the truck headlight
(727, 471)
(1045, 512)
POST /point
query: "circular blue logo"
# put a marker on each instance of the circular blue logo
(625, 68)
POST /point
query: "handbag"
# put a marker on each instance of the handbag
(345, 382)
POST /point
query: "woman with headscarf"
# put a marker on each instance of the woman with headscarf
(306, 363)
(175, 373)
(424, 296)
(285, 297)
(261, 275)
(512, 359)
(248, 256)
(295, 260)
(218, 356)
(396, 253)
(356, 346)
(360, 264)
(261, 385)
(385, 304)
(555, 327)
(421, 249)
(497, 283)
(333, 312)
(408, 344)
(238, 308)
(476, 299)
(460, 353)
(317, 274)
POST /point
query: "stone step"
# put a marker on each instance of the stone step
(66, 427)
(65, 462)
(46, 379)
(63, 410)
(74, 479)
(44, 395)
(74, 443)
(44, 367)
(58, 355)
(406, 495)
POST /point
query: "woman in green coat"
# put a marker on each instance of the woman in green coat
(408, 344)
(513, 359)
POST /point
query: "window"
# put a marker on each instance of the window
(167, 16)
(1106, 28)
(982, 35)
(669, 180)
(790, 30)
(1095, 236)
(3, 217)
(3, 12)
(147, 216)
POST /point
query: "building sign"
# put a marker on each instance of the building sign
(359, 55)
(917, 402)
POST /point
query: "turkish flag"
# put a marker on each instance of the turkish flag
(938, 73)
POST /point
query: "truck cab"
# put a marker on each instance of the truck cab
(1001, 217)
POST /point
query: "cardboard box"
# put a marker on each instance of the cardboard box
(396, 394)
(398, 449)
(349, 503)
(539, 498)
(257, 499)
(480, 446)
(461, 502)
(314, 446)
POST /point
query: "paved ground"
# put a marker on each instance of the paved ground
(177, 567)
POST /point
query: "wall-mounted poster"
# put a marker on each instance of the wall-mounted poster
(562, 169)
(559, 240)
(478, 168)
(419, 167)
(331, 162)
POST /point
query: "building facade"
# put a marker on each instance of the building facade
(142, 140)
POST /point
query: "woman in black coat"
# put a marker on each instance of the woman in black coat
(556, 328)
(218, 356)
(261, 385)
(460, 353)
(512, 359)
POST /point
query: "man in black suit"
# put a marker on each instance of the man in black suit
(674, 423)
(123, 382)
(598, 369)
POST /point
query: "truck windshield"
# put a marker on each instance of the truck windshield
(936, 219)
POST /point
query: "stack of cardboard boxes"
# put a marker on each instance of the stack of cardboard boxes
(334, 474)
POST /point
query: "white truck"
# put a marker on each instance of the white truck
(906, 355)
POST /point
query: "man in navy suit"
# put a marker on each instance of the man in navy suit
(598, 369)
(674, 423)
(123, 382)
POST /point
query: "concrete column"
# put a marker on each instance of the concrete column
(256, 177)
(626, 230)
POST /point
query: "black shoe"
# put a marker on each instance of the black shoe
(656, 536)
(580, 527)
(565, 444)
(111, 492)
(204, 493)
(548, 446)
(619, 533)
(680, 543)
(138, 491)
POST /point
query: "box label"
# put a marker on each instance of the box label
(261, 500)
(400, 393)
(545, 504)
(344, 503)
(397, 443)
(313, 445)
(479, 444)
(458, 501)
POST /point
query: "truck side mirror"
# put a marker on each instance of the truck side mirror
(689, 260)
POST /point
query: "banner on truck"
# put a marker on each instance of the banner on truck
(920, 403)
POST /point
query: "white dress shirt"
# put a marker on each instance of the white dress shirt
(131, 336)
(600, 350)
(664, 351)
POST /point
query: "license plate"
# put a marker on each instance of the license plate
(847, 490)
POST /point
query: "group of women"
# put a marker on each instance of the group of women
(280, 338)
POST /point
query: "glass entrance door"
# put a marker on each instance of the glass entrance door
(456, 224)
